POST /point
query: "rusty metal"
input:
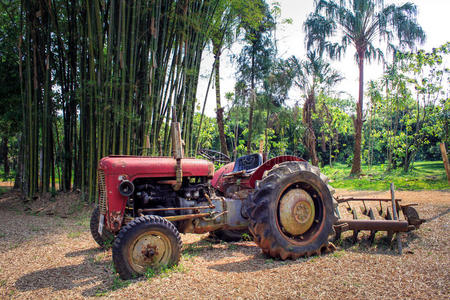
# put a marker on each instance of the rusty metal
(411, 215)
(348, 199)
(170, 182)
(391, 214)
(380, 211)
(379, 225)
(394, 210)
(176, 208)
(115, 220)
(355, 231)
(372, 232)
(177, 148)
(150, 249)
(297, 211)
(211, 205)
(366, 212)
(388, 217)
(187, 217)
(213, 218)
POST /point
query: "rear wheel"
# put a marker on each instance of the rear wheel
(106, 238)
(291, 211)
(146, 242)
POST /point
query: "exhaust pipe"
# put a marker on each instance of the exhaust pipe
(177, 149)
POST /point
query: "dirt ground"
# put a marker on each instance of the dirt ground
(49, 253)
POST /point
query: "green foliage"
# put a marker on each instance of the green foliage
(408, 119)
(427, 175)
(246, 237)
(164, 271)
(74, 234)
(208, 137)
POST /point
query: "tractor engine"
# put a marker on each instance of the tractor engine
(152, 196)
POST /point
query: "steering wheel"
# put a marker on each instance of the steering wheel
(214, 156)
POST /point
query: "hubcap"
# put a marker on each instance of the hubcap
(150, 250)
(297, 211)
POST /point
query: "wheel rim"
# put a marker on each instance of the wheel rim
(296, 211)
(150, 250)
(300, 213)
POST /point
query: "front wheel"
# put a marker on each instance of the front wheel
(291, 211)
(146, 242)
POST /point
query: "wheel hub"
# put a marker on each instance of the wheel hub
(150, 250)
(297, 211)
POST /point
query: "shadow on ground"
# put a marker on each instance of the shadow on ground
(70, 277)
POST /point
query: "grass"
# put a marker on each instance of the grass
(164, 271)
(83, 221)
(232, 247)
(246, 237)
(338, 254)
(195, 249)
(74, 234)
(425, 175)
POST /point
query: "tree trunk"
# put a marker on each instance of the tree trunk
(356, 167)
(5, 156)
(252, 103)
(445, 160)
(219, 112)
(310, 138)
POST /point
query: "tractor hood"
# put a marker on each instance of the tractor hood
(146, 166)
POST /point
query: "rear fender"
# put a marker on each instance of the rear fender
(258, 174)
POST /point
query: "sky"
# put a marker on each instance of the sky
(433, 16)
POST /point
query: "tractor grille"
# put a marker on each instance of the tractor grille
(101, 192)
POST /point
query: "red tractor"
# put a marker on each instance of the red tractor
(146, 202)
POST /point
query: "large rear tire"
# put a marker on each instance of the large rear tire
(146, 242)
(105, 240)
(291, 211)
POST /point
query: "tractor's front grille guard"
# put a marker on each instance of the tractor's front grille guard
(101, 192)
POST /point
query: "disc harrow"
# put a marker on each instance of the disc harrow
(376, 214)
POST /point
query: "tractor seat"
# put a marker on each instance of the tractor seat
(248, 163)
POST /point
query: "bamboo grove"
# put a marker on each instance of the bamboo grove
(109, 71)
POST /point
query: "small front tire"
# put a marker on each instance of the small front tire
(146, 242)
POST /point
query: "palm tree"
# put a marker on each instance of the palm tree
(360, 23)
(313, 76)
